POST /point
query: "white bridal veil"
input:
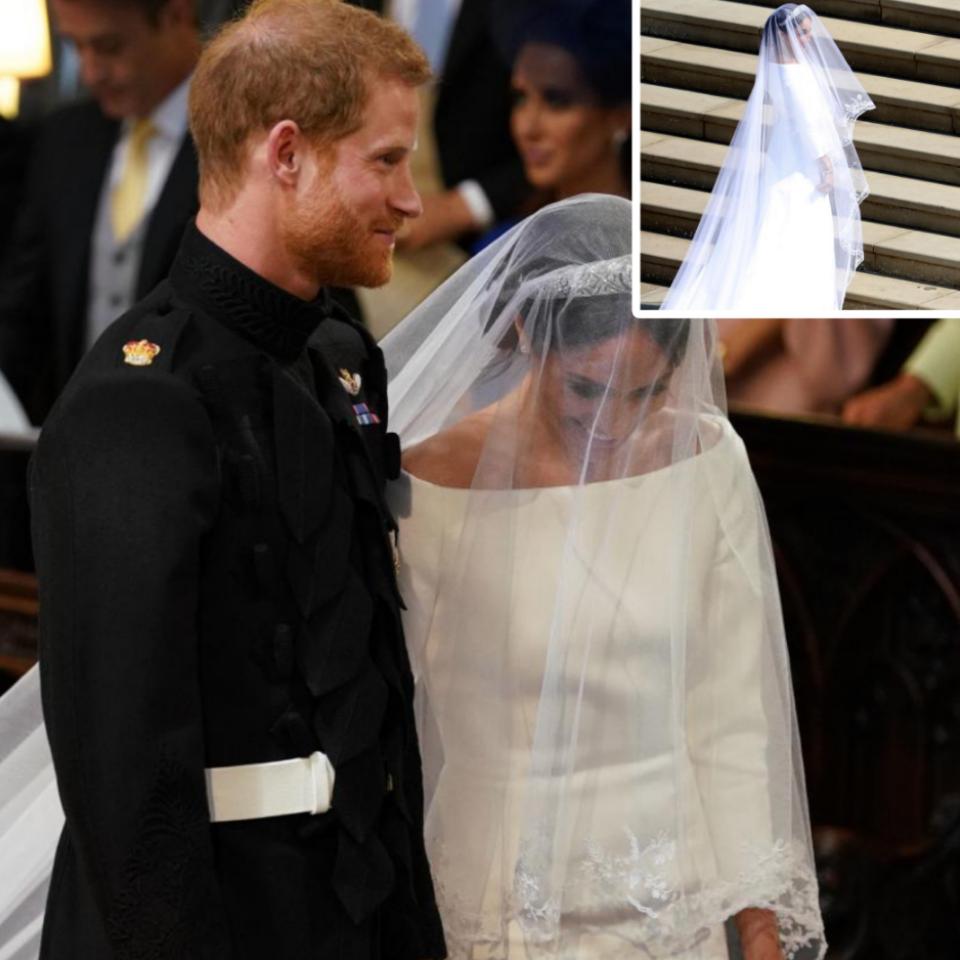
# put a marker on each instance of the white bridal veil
(604, 700)
(781, 232)
(30, 819)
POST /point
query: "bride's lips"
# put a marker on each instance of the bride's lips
(604, 443)
(597, 441)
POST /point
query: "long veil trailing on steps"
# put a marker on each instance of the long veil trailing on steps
(781, 232)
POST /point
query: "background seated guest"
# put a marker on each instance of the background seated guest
(927, 388)
(570, 120)
(801, 365)
(112, 184)
(571, 83)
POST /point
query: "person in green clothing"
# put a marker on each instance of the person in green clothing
(927, 388)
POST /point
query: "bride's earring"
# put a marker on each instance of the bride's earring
(619, 138)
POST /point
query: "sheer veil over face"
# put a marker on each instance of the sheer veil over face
(781, 231)
(606, 716)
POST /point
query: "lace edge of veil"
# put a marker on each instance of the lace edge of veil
(780, 880)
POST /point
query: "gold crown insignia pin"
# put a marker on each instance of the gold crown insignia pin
(140, 353)
(351, 382)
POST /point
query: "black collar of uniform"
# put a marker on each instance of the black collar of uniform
(273, 319)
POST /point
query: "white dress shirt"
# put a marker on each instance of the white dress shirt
(114, 267)
(170, 123)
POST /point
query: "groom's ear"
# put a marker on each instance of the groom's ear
(285, 150)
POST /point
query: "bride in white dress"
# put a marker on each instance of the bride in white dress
(610, 754)
(781, 233)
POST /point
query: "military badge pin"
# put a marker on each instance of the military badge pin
(140, 353)
(351, 382)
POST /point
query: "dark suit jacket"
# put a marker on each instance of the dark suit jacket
(44, 274)
(15, 140)
(214, 555)
(472, 118)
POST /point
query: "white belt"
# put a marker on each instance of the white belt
(254, 790)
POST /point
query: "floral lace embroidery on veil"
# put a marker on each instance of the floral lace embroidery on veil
(667, 919)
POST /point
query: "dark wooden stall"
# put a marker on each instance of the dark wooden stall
(18, 586)
(866, 532)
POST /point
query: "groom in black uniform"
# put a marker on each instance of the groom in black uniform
(226, 689)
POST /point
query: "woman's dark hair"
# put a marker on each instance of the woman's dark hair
(779, 21)
(552, 242)
(569, 322)
(596, 33)
(591, 320)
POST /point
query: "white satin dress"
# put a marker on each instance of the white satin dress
(481, 575)
(794, 261)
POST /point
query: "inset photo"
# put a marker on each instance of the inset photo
(800, 159)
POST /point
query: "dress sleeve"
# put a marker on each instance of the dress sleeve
(728, 730)
(937, 363)
(123, 489)
(742, 730)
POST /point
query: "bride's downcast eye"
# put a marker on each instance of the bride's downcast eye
(587, 389)
(651, 390)
(592, 389)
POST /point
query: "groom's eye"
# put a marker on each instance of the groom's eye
(391, 158)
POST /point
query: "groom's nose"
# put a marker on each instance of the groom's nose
(404, 198)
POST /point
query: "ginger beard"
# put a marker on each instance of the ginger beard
(335, 243)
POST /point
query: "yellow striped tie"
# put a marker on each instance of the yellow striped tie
(129, 195)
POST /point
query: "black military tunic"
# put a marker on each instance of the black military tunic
(217, 588)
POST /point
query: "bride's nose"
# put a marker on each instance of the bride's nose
(614, 418)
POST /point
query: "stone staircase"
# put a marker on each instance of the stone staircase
(697, 63)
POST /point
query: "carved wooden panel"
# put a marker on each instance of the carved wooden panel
(866, 530)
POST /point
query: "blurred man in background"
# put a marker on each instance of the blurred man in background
(112, 185)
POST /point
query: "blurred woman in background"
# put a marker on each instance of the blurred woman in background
(571, 112)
